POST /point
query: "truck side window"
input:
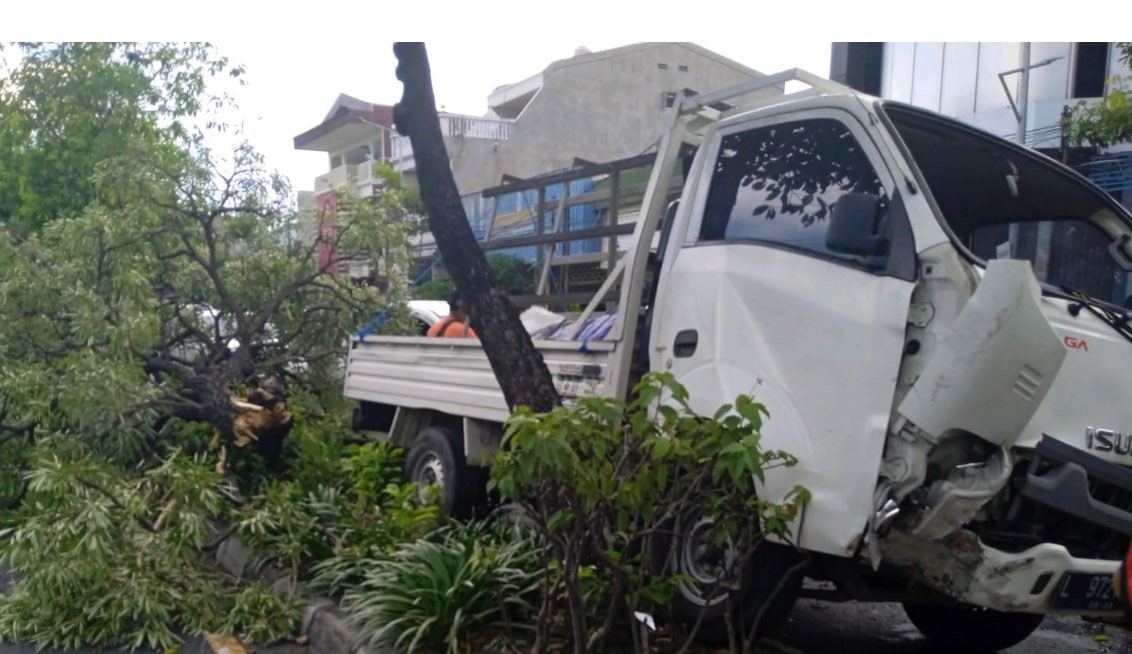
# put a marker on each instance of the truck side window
(779, 183)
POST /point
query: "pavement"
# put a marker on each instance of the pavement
(854, 628)
(814, 628)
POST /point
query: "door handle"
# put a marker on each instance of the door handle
(685, 343)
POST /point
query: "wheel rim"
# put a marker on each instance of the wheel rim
(704, 562)
(430, 472)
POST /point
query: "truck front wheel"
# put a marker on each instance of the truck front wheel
(436, 459)
(967, 628)
(693, 555)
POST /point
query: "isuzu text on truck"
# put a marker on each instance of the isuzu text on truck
(933, 315)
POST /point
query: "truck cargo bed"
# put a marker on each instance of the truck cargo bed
(454, 376)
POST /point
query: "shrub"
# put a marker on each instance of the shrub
(343, 504)
(435, 289)
(436, 591)
(514, 276)
(108, 560)
(258, 615)
(604, 480)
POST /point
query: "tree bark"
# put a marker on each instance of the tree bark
(518, 366)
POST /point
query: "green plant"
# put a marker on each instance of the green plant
(1109, 120)
(280, 528)
(260, 616)
(370, 469)
(435, 289)
(315, 449)
(108, 560)
(514, 276)
(604, 480)
(372, 530)
(434, 592)
(343, 503)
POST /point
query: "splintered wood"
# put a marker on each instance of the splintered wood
(224, 644)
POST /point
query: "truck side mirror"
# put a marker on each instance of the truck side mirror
(853, 226)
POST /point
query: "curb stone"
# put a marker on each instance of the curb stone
(329, 633)
(323, 624)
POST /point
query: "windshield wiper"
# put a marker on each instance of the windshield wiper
(1118, 320)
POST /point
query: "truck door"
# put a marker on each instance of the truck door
(754, 300)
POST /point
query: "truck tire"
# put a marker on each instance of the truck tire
(971, 628)
(436, 457)
(697, 558)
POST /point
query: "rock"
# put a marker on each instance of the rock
(233, 556)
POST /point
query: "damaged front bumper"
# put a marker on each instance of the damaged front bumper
(1043, 579)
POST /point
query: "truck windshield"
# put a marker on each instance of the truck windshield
(1003, 201)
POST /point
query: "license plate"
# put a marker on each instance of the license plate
(1087, 591)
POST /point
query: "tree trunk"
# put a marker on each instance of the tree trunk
(518, 366)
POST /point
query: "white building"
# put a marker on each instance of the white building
(979, 82)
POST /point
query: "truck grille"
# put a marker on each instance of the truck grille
(1060, 494)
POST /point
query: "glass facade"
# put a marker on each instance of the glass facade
(995, 58)
(1050, 82)
(897, 76)
(960, 61)
(927, 75)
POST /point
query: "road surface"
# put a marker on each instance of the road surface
(819, 628)
(852, 628)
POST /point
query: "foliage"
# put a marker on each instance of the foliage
(603, 480)
(119, 318)
(342, 503)
(433, 592)
(106, 560)
(150, 288)
(435, 289)
(514, 276)
(260, 616)
(67, 107)
(1109, 120)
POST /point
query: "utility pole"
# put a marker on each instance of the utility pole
(1024, 93)
(1065, 114)
(1020, 108)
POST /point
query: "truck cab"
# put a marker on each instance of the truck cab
(937, 320)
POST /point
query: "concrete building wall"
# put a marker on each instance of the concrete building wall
(608, 105)
(595, 106)
(476, 163)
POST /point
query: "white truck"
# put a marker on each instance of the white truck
(934, 317)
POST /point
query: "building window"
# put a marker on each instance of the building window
(669, 99)
(779, 184)
(682, 68)
(662, 66)
(1089, 70)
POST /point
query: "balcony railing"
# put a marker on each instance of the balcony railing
(340, 176)
(453, 126)
(360, 175)
(476, 128)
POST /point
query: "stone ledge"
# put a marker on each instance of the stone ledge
(323, 624)
(329, 633)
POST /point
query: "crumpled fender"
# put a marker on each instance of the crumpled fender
(994, 365)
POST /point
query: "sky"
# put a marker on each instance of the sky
(299, 57)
